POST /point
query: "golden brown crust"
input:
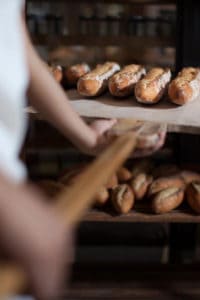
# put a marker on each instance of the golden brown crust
(122, 83)
(151, 88)
(163, 183)
(167, 200)
(57, 73)
(73, 73)
(123, 174)
(193, 196)
(122, 198)
(189, 176)
(95, 82)
(140, 184)
(185, 87)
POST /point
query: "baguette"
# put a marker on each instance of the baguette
(185, 87)
(122, 83)
(193, 196)
(167, 200)
(96, 82)
(152, 87)
(122, 198)
(72, 74)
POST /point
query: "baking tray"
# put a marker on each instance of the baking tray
(184, 119)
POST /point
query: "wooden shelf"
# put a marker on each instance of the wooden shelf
(143, 214)
(102, 41)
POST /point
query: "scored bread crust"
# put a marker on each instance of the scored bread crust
(95, 82)
(152, 87)
(122, 83)
(167, 200)
(185, 87)
(73, 73)
(193, 196)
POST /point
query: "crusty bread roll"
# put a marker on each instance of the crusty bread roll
(57, 72)
(73, 73)
(185, 87)
(122, 83)
(193, 196)
(189, 176)
(167, 200)
(123, 174)
(96, 82)
(122, 198)
(140, 184)
(164, 183)
(152, 87)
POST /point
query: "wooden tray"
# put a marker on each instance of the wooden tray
(184, 119)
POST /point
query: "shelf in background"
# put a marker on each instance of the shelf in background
(142, 2)
(102, 41)
(143, 214)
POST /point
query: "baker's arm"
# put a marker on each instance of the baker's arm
(34, 236)
(47, 97)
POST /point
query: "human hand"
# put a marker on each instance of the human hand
(150, 151)
(100, 128)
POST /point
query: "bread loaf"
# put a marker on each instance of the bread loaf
(122, 83)
(122, 198)
(72, 74)
(185, 87)
(193, 196)
(123, 174)
(57, 73)
(189, 176)
(167, 200)
(152, 87)
(164, 183)
(140, 184)
(96, 82)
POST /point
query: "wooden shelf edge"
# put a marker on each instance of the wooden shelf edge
(176, 216)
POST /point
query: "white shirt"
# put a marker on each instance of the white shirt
(13, 84)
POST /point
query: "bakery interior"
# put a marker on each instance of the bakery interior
(140, 253)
